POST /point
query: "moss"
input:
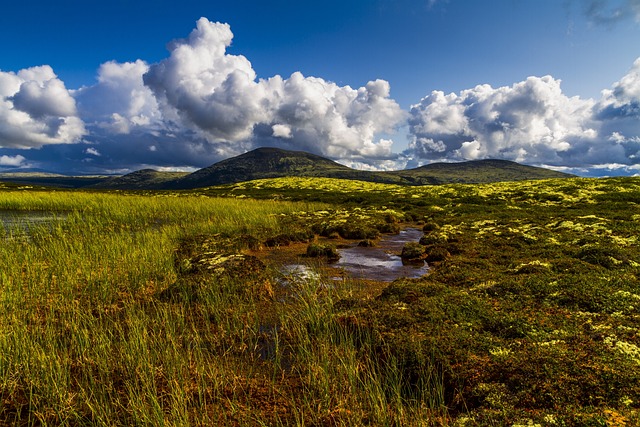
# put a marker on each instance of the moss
(238, 274)
(412, 251)
(315, 250)
(603, 255)
(353, 231)
(436, 253)
(285, 239)
(277, 241)
(431, 239)
(207, 261)
(429, 227)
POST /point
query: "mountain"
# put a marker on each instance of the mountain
(48, 179)
(30, 173)
(274, 163)
(145, 179)
(475, 172)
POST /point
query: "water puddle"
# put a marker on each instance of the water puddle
(296, 274)
(14, 221)
(382, 262)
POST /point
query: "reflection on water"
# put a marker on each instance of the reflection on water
(295, 274)
(13, 221)
(382, 262)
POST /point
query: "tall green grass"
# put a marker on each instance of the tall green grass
(348, 374)
(83, 338)
(536, 295)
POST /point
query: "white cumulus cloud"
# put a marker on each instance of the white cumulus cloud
(531, 121)
(14, 161)
(217, 95)
(202, 104)
(36, 110)
(281, 131)
(119, 102)
(619, 110)
(204, 88)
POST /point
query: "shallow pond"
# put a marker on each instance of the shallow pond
(13, 221)
(382, 262)
(296, 273)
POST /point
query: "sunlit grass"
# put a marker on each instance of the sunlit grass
(82, 335)
(530, 313)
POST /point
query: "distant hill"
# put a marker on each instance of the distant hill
(274, 163)
(145, 179)
(475, 172)
(48, 179)
(30, 173)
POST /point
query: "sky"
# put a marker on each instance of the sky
(109, 87)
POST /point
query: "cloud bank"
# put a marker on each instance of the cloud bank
(531, 121)
(202, 104)
(217, 96)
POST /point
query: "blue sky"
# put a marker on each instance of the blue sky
(94, 87)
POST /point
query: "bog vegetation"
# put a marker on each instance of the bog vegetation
(158, 308)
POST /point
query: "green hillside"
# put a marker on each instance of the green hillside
(46, 179)
(475, 172)
(141, 180)
(274, 163)
(277, 163)
(264, 163)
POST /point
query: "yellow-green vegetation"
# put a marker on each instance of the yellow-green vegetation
(273, 162)
(151, 308)
(84, 337)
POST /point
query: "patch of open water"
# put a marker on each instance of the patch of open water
(382, 262)
(14, 221)
(298, 273)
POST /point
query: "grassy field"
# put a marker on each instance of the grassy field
(151, 308)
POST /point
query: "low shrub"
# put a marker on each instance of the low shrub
(315, 250)
(412, 251)
(436, 253)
